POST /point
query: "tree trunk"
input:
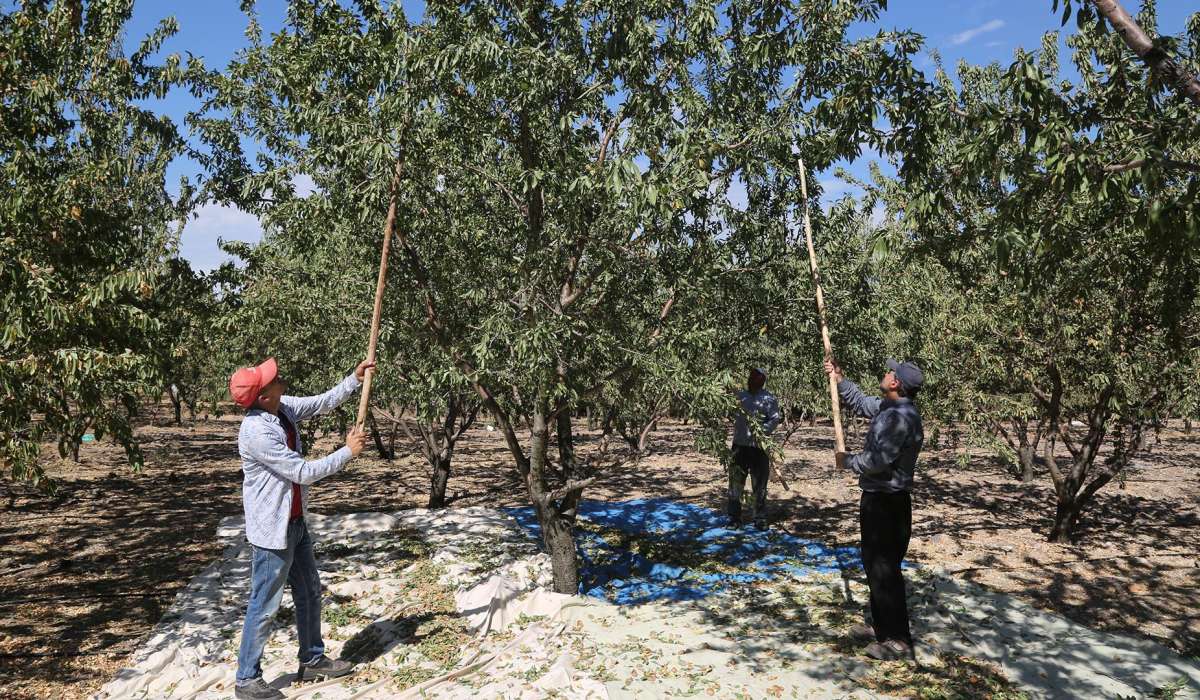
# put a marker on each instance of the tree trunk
(566, 443)
(176, 403)
(1025, 449)
(559, 538)
(1025, 453)
(1066, 517)
(557, 526)
(644, 437)
(438, 481)
(383, 452)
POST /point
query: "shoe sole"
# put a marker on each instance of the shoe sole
(302, 675)
(894, 656)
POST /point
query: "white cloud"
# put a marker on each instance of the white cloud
(878, 215)
(833, 188)
(965, 36)
(738, 197)
(212, 221)
(304, 185)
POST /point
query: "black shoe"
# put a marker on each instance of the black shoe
(257, 689)
(324, 667)
(734, 523)
(760, 525)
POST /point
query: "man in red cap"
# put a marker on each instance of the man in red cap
(274, 494)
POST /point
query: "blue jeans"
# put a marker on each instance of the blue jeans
(269, 569)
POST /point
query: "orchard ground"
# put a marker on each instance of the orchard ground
(85, 574)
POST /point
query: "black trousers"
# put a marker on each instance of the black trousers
(752, 461)
(885, 520)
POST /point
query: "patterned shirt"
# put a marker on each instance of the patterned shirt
(763, 406)
(894, 440)
(271, 467)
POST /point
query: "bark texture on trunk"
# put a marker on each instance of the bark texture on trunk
(384, 453)
(438, 480)
(558, 534)
(176, 403)
(1026, 455)
(556, 520)
(566, 443)
(1066, 517)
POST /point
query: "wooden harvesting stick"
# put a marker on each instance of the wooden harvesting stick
(388, 226)
(778, 474)
(839, 439)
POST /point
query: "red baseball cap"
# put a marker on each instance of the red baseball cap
(246, 383)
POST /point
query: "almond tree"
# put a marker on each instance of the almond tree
(1064, 211)
(86, 226)
(606, 139)
(559, 176)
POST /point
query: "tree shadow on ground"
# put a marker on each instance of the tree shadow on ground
(86, 573)
(381, 636)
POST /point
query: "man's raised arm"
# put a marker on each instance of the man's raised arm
(867, 406)
(305, 407)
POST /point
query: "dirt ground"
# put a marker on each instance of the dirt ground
(86, 573)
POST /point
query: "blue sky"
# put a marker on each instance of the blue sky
(978, 31)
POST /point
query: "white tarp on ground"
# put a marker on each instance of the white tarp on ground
(1049, 655)
(529, 641)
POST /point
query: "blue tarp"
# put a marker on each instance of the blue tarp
(682, 532)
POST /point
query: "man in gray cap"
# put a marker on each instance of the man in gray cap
(885, 475)
(758, 405)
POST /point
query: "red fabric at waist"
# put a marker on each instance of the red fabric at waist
(292, 442)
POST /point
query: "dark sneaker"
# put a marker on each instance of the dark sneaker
(257, 689)
(324, 667)
(891, 650)
(760, 524)
(734, 523)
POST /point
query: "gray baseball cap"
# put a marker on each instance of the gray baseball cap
(760, 370)
(909, 374)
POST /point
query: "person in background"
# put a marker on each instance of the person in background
(749, 458)
(274, 495)
(885, 474)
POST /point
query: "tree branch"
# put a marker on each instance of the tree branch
(521, 208)
(434, 323)
(566, 489)
(627, 365)
(467, 422)
(608, 134)
(1143, 162)
(1169, 69)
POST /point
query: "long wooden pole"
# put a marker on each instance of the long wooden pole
(778, 474)
(389, 225)
(839, 439)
